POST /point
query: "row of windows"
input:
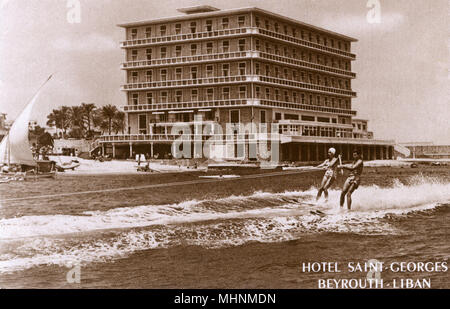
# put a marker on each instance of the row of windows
(223, 70)
(239, 45)
(241, 92)
(303, 130)
(237, 21)
(189, 27)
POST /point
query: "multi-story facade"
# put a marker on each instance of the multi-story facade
(239, 66)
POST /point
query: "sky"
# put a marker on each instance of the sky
(402, 62)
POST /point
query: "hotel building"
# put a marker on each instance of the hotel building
(240, 66)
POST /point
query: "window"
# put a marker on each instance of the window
(210, 94)
(134, 54)
(225, 69)
(268, 48)
(286, 96)
(162, 30)
(135, 99)
(323, 119)
(163, 96)
(163, 52)
(225, 23)
(225, 46)
(277, 116)
(234, 116)
(242, 45)
(302, 98)
(148, 32)
(277, 95)
(257, 69)
(178, 51)
(193, 49)
(268, 71)
(209, 71)
(149, 76)
(267, 24)
(134, 77)
(177, 28)
(257, 21)
(193, 72)
(291, 116)
(242, 92)
(209, 25)
(163, 74)
(262, 116)
(178, 73)
(148, 53)
(193, 27)
(241, 21)
(242, 68)
(209, 48)
(308, 118)
(257, 45)
(149, 98)
(267, 93)
(294, 32)
(285, 29)
(134, 34)
(142, 124)
(179, 96)
(257, 92)
(225, 93)
(294, 53)
(295, 97)
(194, 95)
(276, 27)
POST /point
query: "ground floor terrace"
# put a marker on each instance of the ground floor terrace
(258, 147)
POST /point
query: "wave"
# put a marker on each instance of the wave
(96, 236)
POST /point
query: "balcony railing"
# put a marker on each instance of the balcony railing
(305, 86)
(186, 105)
(188, 82)
(238, 55)
(184, 37)
(185, 59)
(233, 32)
(126, 138)
(305, 64)
(234, 103)
(236, 79)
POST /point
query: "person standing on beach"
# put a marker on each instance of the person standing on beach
(354, 179)
(330, 175)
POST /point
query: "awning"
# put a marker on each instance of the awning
(158, 113)
(205, 110)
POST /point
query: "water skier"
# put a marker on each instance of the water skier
(331, 165)
(354, 179)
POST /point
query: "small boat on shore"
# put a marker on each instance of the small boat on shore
(16, 159)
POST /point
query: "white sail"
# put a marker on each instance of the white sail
(15, 147)
(4, 150)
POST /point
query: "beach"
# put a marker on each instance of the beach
(177, 230)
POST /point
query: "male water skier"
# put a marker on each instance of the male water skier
(354, 178)
(331, 165)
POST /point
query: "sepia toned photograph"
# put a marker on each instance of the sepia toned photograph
(246, 144)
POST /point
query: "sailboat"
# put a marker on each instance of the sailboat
(15, 150)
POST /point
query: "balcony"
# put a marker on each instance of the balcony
(237, 79)
(129, 138)
(185, 37)
(305, 86)
(188, 82)
(235, 103)
(139, 64)
(216, 34)
(238, 55)
(305, 64)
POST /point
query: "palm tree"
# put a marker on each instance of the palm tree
(108, 112)
(59, 118)
(77, 121)
(88, 111)
(119, 122)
